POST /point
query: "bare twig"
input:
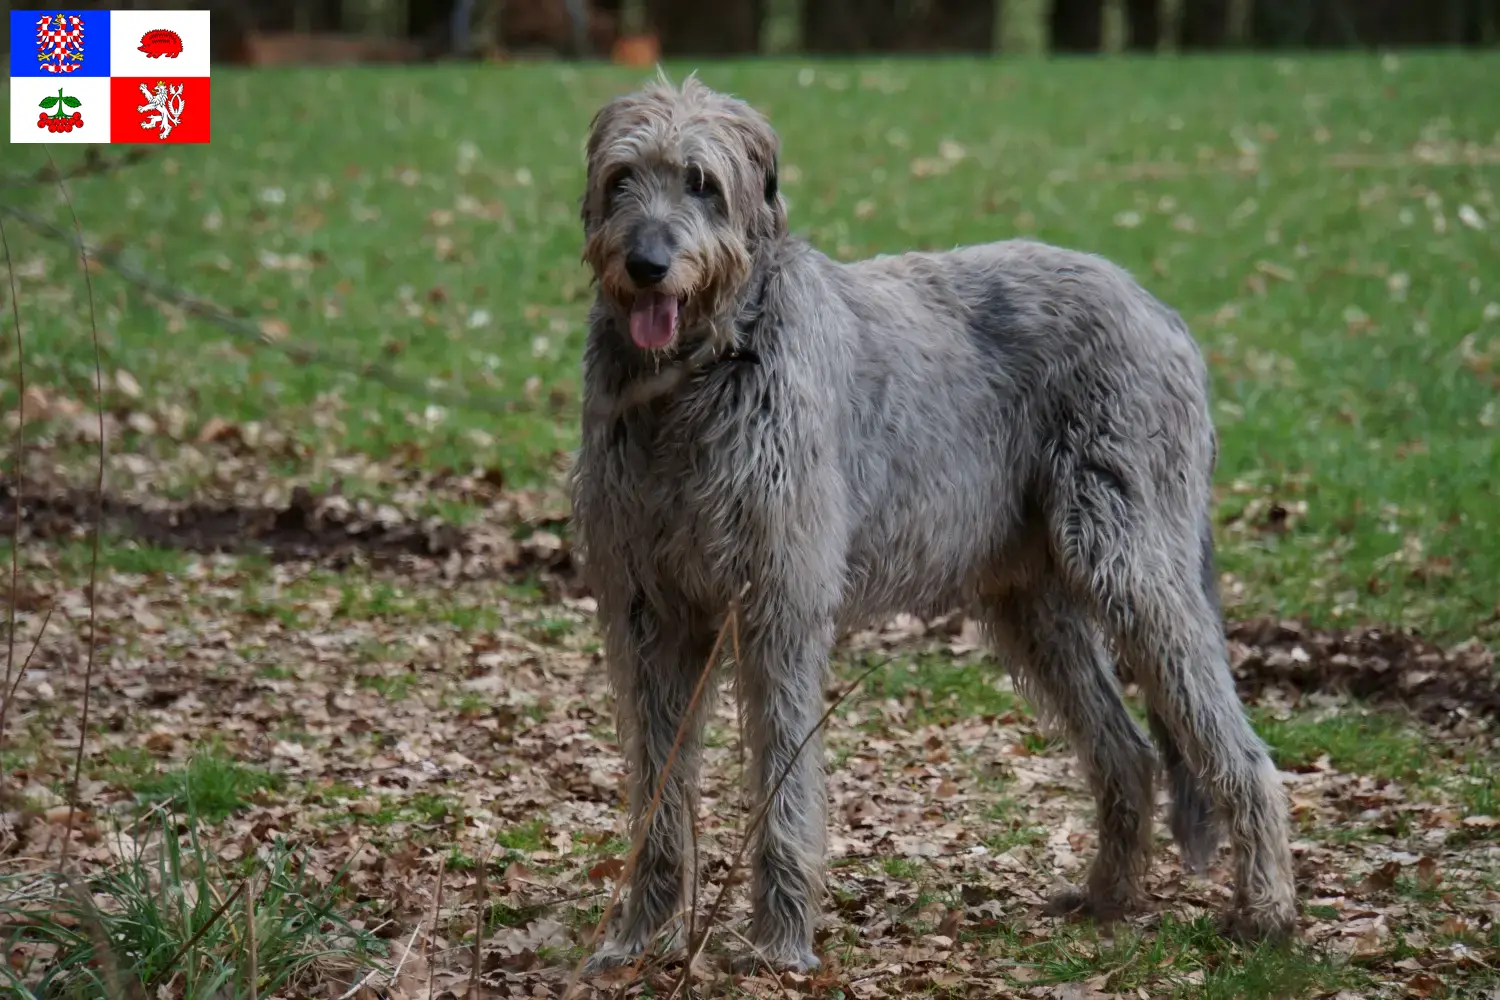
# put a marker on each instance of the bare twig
(407, 953)
(15, 685)
(171, 964)
(93, 165)
(696, 948)
(437, 913)
(692, 910)
(15, 530)
(357, 984)
(252, 976)
(645, 823)
(483, 898)
(88, 673)
(249, 330)
(109, 968)
(774, 975)
(362, 980)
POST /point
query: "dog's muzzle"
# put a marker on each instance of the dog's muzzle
(653, 315)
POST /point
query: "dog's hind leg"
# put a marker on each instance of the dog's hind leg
(1057, 656)
(1193, 823)
(654, 667)
(1140, 555)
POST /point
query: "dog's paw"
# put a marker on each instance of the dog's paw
(753, 963)
(609, 956)
(1100, 907)
(1069, 902)
(1253, 925)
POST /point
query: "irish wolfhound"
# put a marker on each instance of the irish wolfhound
(1013, 427)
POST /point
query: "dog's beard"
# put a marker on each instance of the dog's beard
(653, 320)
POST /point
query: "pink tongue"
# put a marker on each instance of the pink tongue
(653, 320)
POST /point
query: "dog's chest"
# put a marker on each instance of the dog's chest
(685, 492)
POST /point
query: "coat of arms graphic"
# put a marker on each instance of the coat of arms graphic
(59, 42)
(163, 107)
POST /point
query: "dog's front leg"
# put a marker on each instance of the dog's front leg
(654, 664)
(781, 689)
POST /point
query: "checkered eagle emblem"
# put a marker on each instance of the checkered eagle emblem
(59, 42)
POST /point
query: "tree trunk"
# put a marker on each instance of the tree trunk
(319, 15)
(1143, 24)
(1205, 24)
(1399, 23)
(1481, 22)
(430, 23)
(846, 27)
(1317, 24)
(699, 28)
(956, 26)
(1077, 25)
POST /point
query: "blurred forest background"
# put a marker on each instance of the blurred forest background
(261, 32)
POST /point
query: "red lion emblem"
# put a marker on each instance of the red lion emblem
(161, 42)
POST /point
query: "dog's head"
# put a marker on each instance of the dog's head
(681, 196)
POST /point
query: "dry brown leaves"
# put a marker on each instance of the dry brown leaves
(423, 715)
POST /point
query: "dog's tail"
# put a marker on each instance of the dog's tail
(1193, 823)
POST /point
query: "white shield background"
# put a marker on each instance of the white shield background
(126, 28)
(27, 92)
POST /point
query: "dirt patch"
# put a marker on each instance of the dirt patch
(329, 529)
(1375, 664)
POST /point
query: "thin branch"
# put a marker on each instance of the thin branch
(371, 974)
(10, 693)
(93, 165)
(88, 674)
(405, 954)
(15, 530)
(253, 974)
(694, 950)
(483, 899)
(437, 914)
(186, 946)
(109, 969)
(249, 331)
(650, 814)
(774, 975)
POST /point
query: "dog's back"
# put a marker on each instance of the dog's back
(968, 375)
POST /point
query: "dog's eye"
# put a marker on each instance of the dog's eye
(699, 183)
(617, 182)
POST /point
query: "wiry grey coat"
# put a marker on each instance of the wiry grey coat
(1013, 428)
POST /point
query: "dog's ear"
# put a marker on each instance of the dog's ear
(603, 127)
(764, 151)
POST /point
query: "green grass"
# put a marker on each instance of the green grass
(1178, 958)
(904, 869)
(1481, 794)
(1012, 828)
(391, 687)
(211, 785)
(1378, 745)
(528, 836)
(1348, 333)
(150, 920)
(941, 688)
(116, 552)
(421, 808)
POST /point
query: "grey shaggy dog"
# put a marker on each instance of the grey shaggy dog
(1013, 428)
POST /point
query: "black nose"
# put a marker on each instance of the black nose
(647, 263)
